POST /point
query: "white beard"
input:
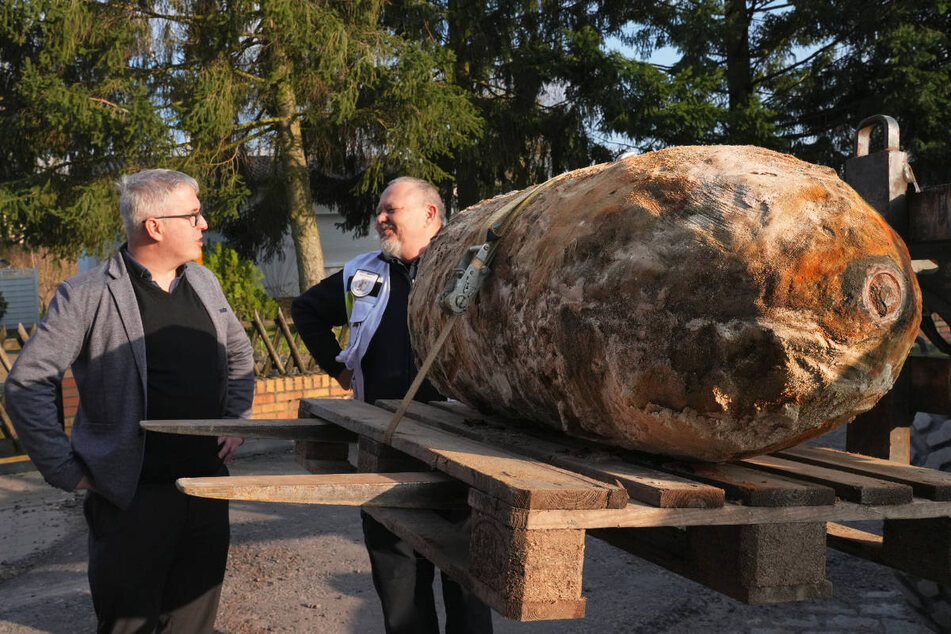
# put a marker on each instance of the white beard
(391, 246)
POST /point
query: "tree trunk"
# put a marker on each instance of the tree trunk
(739, 75)
(465, 166)
(300, 203)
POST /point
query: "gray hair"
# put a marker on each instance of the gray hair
(143, 195)
(427, 190)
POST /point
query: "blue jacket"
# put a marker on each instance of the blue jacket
(93, 325)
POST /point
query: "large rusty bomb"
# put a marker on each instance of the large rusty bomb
(701, 302)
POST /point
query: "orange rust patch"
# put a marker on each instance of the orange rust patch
(815, 193)
(819, 266)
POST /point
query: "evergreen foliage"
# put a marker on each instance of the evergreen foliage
(304, 101)
(880, 57)
(75, 111)
(239, 94)
(240, 280)
(539, 76)
(275, 104)
(796, 76)
(3, 306)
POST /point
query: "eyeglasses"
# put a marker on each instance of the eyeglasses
(193, 217)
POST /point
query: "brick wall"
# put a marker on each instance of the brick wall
(278, 397)
(273, 398)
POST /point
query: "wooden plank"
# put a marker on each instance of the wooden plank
(408, 490)
(447, 547)
(15, 464)
(639, 515)
(22, 335)
(642, 483)
(7, 430)
(753, 487)
(926, 483)
(884, 430)
(520, 481)
(855, 542)
(282, 428)
(848, 486)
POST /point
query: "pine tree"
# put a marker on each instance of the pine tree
(291, 101)
(540, 76)
(75, 111)
(878, 57)
(794, 76)
(338, 101)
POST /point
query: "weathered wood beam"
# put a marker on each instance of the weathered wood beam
(407, 490)
(753, 487)
(642, 483)
(926, 483)
(854, 541)
(640, 515)
(280, 428)
(520, 481)
(848, 486)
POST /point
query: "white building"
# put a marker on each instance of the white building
(280, 274)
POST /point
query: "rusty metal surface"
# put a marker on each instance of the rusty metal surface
(882, 178)
(706, 302)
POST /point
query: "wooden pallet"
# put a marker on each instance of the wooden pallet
(756, 529)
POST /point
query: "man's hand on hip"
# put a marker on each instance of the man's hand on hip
(227, 445)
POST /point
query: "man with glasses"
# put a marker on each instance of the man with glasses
(149, 335)
(371, 295)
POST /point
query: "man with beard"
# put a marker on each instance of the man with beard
(371, 295)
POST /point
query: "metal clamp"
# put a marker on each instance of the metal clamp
(468, 276)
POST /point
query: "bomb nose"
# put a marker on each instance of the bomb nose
(884, 294)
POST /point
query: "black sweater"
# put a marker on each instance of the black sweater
(182, 376)
(389, 365)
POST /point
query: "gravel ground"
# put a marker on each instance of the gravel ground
(299, 568)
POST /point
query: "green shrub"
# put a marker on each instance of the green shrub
(3, 306)
(241, 282)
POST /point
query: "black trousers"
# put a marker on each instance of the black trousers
(158, 564)
(404, 583)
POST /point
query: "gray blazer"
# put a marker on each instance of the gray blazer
(93, 325)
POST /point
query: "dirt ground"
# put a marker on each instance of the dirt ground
(299, 568)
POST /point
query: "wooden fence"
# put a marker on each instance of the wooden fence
(18, 336)
(278, 350)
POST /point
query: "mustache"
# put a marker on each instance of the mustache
(385, 225)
